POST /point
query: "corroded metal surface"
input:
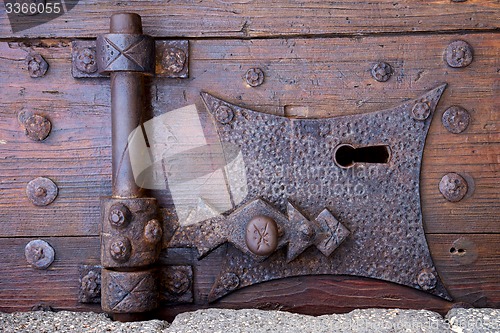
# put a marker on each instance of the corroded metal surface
(41, 191)
(171, 59)
(176, 284)
(135, 243)
(367, 215)
(90, 284)
(456, 119)
(39, 254)
(129, 292)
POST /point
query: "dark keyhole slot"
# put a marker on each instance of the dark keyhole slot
(346, 155)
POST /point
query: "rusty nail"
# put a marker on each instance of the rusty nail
(39, 254)
(41, 191)
(453, 187)
(86, 60)
(152, 231)
(91, 285)
(421, 111)
(456, 119)
(224, 114)
(178, 283)
(37, 66)
(173, 59)
(254, 77)
(459, 54)
(37, 127)
(120, 249)
(261, 235)
(230, 281)
(119, 215)
(427, 280)
(382, 71)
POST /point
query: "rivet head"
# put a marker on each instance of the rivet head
(261, 235)
(427, 280)
(37, 127)
(254, 77)
(152, 231)
(224, 114)
(453, 187)
(456, 119)
(459, 54)
(91, 285)
(119, 215)
(173, 59)
(306, 231)
(421, 111)
(230, 281)
(37, 66)
(41, 191)
(382, 71)
(39, 254)
(86, 60)
(178, 283)
(120, 249)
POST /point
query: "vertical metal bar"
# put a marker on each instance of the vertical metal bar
(126, 110)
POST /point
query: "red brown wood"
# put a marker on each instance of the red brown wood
(316, 58)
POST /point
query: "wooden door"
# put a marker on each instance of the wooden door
(307, 59)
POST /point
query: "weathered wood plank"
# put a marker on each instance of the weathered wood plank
(328, 77)
(22, 287)
(258, 18)
(475, 282)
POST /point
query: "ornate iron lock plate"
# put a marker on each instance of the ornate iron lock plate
(343, 193)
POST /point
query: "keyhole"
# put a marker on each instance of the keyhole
(346, 155)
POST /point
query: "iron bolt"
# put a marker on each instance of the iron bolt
(152, 231)
(173, 59)
(37, 66)
(382, 71)
(37, 127)
(453, 187)
(254, 77)
(119, 215)
(224, 114)
(120, 249)
(456, 119)
(230, 281)
(261, 235)
(459, 54)
(91, 285)
(427, 279)
(41, 191)
(178, 283)
(39, 254)
(86, 60)
(421, 111)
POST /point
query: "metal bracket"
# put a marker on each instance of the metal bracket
(348, 185)
(171, 61)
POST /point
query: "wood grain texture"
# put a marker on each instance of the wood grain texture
(475, 283)
(258, 18)
(325, 77)
(22, 287)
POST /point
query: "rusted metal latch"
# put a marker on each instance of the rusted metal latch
(314, 196)
(323, 196)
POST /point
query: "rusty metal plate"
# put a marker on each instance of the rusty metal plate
(171, 59)
(350, 184)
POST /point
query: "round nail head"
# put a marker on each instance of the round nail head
(456, 119)
(41, 191)
(39, 254)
